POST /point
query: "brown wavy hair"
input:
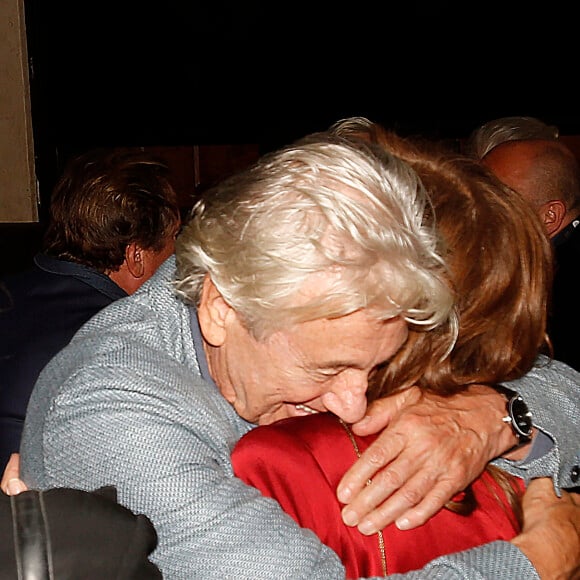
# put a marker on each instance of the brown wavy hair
(107, 199)
(500, 264)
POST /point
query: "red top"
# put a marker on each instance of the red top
(300, 462)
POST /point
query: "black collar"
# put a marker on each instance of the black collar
(566, 232)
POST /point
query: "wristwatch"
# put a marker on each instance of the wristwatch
(519, 416)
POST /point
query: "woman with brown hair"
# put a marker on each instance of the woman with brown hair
(500, 270)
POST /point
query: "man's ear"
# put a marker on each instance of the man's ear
(212, 313)
(552, 215)
(135, 260)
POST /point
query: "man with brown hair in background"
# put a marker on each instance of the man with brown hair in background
(113, 220)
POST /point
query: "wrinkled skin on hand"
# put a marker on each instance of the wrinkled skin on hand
(431, 448)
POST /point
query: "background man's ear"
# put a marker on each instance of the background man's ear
(212, 313)
(552, 215)
(134, 259)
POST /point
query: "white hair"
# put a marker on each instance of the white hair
(321, 207)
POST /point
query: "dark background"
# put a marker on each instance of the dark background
(125, 73)
(182, 72)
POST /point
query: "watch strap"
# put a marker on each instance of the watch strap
(518, 415)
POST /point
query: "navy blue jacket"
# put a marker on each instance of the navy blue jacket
(40, 311)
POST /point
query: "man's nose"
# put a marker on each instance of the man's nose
(347, 400)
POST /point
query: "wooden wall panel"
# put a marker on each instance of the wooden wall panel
(194, 168)
(18, 187)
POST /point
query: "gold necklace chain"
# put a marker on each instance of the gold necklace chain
(380, 532)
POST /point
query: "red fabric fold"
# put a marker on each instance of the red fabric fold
(300, 461)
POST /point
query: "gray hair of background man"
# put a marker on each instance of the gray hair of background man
(487, 136)
(320, 210)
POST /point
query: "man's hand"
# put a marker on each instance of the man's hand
(550, 537)
(11, 483)
(431, 448)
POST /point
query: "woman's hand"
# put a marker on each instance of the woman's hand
(11, 483)
(550, 537)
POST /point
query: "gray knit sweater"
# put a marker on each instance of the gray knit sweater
(126, 404)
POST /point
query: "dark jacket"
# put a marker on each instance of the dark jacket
(564, 319)
(68, 534)
(40, 311)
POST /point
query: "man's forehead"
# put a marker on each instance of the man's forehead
(355, 339)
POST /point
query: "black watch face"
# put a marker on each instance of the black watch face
(522, 417)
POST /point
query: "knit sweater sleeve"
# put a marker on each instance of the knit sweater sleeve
(168, 455)
(163, 438)
(120, 411)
